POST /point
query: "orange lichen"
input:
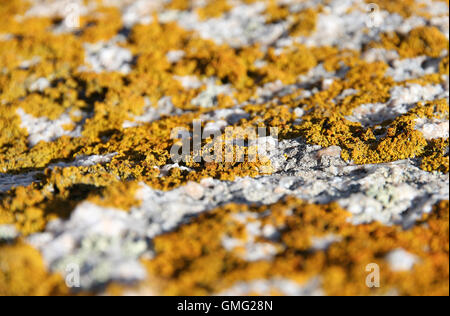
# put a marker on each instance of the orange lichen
(9, 9)
(23, 273)
(120, 195)
(304, 22)
(424, 40)
(178, 267)
(436, 158)
(111, 99)
(100, 104)
(288, 65)
(213, 9)
(405, 8)
(326, 123)
(60, 190)
(179, 5)
(103, 25)
(276, 12)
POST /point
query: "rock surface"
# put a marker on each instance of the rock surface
(346, 113)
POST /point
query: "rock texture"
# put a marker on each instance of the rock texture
(350, 113)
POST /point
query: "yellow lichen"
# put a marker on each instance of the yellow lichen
(304, 23)
(424, 40)
(178, 267)
(100, 104)
(213, 9)
(23, 273)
